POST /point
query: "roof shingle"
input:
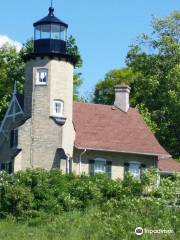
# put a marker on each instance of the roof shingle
(100, 126)
(168, 165)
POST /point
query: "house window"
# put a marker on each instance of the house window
(58, 108)
(13, 138)
(41, 76)
(7, 166)
(135, 169)
(100, 165)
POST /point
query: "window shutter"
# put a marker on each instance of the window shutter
(11, 138)
(15, 137)
(143, 167)
(9, 167)
(126, 168)
(109, 168)
(91, 167)
(3, 166)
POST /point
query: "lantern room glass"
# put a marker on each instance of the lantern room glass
(50, 31)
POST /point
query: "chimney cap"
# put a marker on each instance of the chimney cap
(122, 88)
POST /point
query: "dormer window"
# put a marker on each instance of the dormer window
(41, 76)
(58, 108)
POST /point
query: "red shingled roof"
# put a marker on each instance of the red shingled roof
(106, 127)
(168, 165)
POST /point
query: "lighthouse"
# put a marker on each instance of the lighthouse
(45, 135)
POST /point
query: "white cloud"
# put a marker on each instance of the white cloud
(5, 39)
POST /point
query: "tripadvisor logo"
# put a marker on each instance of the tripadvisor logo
(139, 231)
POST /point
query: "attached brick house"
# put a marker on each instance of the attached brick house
(45, 129)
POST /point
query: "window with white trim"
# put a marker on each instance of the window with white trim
(99, 166)
(41, 76)
(58, 108)
(135, 169)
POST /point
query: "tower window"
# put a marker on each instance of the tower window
(41, 76)
(58, 106)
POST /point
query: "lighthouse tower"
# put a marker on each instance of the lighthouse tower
(47, 136)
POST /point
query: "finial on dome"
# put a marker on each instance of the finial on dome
(51, 11)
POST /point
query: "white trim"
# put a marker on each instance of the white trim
(60, 114)
(118, 151)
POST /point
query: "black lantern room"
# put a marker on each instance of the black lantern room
(50, 35)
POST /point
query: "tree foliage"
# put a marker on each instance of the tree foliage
(77, 207)
(11, 70)
(104, 90)
(154, 66)
(156, 60)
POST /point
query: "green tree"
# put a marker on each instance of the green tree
(12, 68)
(155, 60)
(104, 89)
(73, 50)
(153, 72)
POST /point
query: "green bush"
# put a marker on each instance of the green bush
(64, 206)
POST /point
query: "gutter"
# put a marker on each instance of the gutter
(118, 151)
(167, 172)
(80, 160)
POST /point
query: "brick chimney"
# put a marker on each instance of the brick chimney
(122, 97)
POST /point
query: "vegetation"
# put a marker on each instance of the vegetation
(38, 204)
(153, 72)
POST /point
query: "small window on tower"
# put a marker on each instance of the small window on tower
(41, 76)
(58, 108)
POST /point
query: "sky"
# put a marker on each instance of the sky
(104, 29)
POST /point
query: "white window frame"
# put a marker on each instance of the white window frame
(55, 113)
(38, 71)
(137, 165)
(99, 161)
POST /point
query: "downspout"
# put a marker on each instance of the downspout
(80, 160)
(67, 163)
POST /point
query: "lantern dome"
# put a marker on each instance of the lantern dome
(50, 34)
